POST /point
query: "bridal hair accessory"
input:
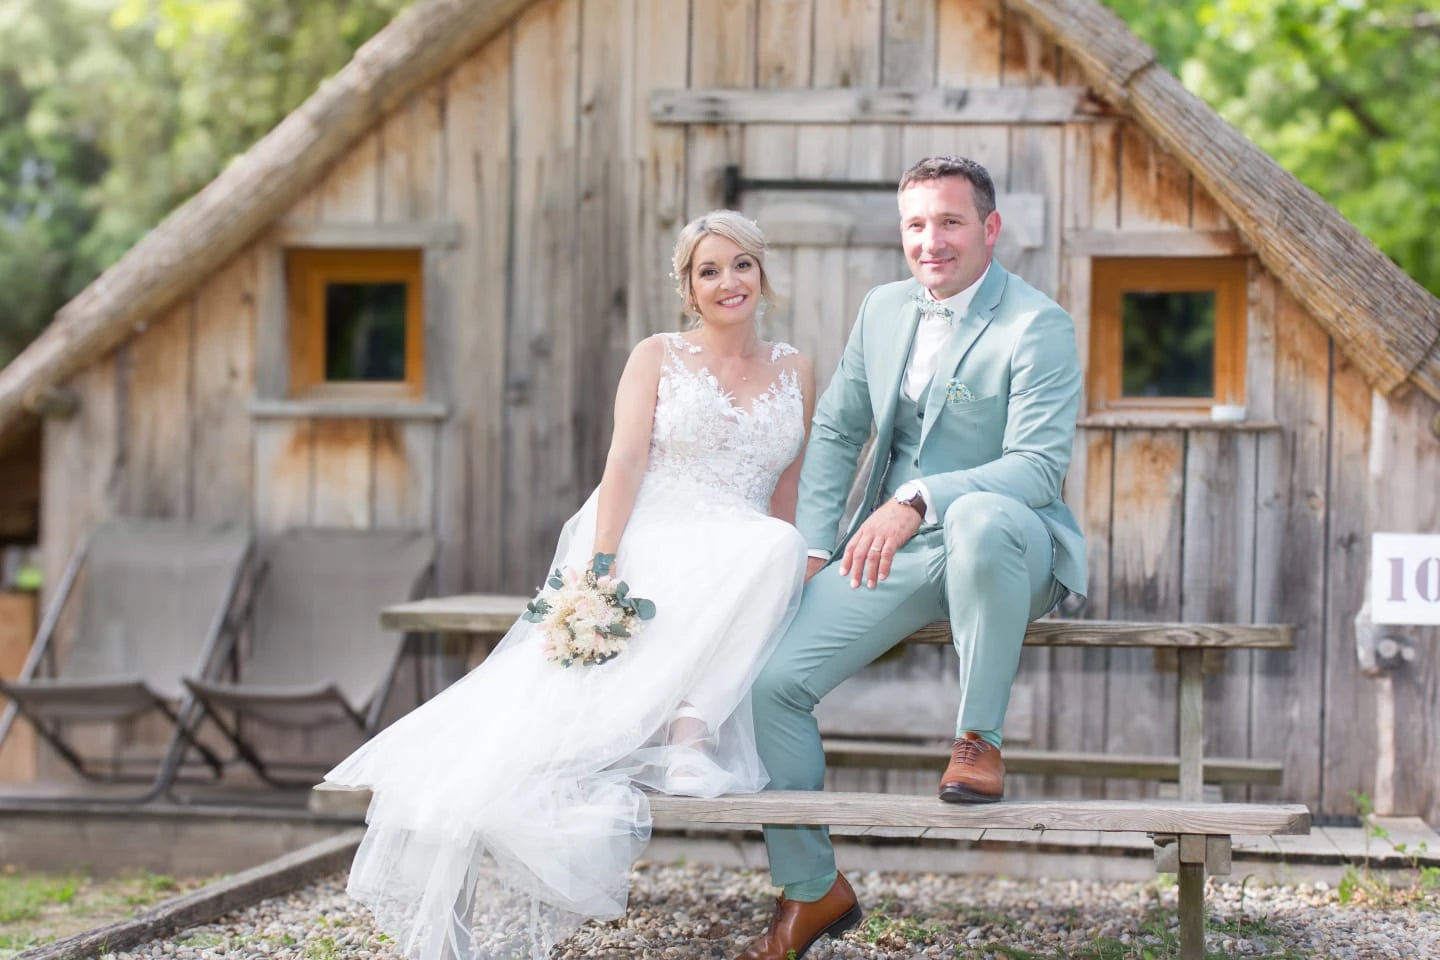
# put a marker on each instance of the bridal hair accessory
(586, 617)
(927, 304)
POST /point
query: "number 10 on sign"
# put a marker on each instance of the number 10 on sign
(1405, 578)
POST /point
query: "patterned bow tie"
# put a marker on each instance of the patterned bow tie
(927, 305)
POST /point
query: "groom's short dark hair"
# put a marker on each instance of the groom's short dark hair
(938, 168)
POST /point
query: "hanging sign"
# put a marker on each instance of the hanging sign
(1405, 578)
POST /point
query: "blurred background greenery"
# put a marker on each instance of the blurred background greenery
(112, 112)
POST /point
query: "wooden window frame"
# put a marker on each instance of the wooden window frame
(1112, 278)
(307, 272)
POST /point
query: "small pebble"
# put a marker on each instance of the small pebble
(699, 912)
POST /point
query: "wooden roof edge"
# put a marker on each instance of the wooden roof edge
(1384, 321)
(417, 47)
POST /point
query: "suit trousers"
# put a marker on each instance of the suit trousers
(987, 567)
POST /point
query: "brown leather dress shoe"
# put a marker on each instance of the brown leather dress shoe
(796, 925)
(976, 773)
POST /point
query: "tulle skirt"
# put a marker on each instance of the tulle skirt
(508, 810)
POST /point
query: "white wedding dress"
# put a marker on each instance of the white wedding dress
(508, 810)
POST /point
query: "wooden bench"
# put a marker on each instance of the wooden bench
(1191, 837)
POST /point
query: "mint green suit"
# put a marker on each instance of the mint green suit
(990, 437)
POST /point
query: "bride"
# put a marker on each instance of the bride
(507, 810)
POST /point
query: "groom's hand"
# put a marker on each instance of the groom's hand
(813, 566)
(869, 553)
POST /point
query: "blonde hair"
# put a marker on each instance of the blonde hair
(735, 227)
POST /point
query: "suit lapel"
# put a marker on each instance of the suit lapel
(966, 332)
(892, 374)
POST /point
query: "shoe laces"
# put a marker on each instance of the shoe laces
(969, 751)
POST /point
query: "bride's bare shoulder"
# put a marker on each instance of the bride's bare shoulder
(788, 357)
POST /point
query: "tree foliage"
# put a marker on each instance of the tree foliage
(1341, 92)
(112, 112)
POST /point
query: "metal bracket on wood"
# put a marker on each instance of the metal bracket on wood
(1172, 850)
(1381, 648)
(733, 184)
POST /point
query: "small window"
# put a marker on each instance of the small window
(1167, 334)
(356, 323)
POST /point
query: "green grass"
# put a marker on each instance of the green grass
(25, 896)
(37, 908)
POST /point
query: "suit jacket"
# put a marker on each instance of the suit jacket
(999, 415)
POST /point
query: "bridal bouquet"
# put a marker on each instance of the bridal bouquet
(589, 617)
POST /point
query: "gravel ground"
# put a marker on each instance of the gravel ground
(710, 912)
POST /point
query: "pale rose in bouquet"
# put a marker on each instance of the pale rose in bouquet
(586, 617)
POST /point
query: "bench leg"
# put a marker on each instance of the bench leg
(1192, 911)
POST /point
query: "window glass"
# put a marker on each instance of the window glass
(364, 332)
(1168, 340)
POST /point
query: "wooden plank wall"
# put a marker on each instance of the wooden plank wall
(540, 148)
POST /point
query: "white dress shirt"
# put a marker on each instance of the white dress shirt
(930, 336)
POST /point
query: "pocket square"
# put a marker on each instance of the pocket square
(958, 392)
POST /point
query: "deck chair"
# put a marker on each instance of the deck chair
(152, 599)
(317, 654)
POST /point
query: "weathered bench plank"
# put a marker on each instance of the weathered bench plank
(494, 613)
(910, 756)
(870, 809)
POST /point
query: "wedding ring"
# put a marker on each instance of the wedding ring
(874, 549)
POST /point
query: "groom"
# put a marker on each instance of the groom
(971, 380)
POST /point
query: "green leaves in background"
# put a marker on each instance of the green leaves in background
(113, 112)
(1342, 93)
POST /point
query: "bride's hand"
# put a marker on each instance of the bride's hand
(603, 565)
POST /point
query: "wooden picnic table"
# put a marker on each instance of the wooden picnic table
(483, 614)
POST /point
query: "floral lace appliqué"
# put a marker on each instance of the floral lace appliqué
(704, 440)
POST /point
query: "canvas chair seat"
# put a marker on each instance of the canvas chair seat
(307, 704)
(315, 652)
(151, 601)
(84, 701)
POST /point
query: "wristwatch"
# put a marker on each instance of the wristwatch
(909, 493)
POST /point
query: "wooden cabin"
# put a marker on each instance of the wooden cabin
(408, 305)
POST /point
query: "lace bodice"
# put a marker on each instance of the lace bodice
(723, 451)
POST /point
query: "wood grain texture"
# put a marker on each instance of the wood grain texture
(200, 236)
(477, 613)
(284, 468)
(1218, 570)
(1384, 320)
(1355, 704)
(468, 373)
(412, 164)
(602, 337)
(343, 478)
(542, 361)
(980, 105)
(157, 395)
(1019, 760)
(1028, 57)
(1154, 184)
(908, 40)
(969, 40)
(1401, 498)
(1077, 678)
(722, 55)
(1291, 490)
(1155, 243)
(859, 809)
(1145, 584)
(403, 462)
(223, 365)
(658, 173)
